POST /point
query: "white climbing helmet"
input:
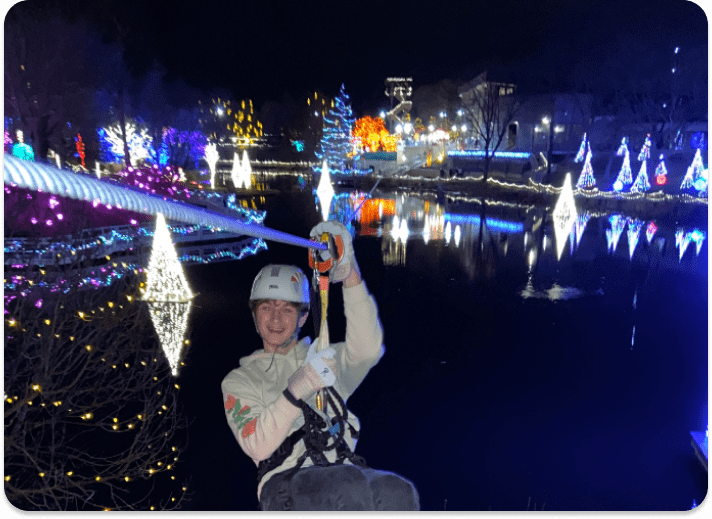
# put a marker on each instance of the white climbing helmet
(284, 282)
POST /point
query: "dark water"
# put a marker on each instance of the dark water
(510, 377)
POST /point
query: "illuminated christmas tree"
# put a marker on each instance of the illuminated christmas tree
(661, 172)
(645, 150)
(586, 179)
(687, 179)
(212, 157)
(168, 295)
(336, 140)
(235, 173)
(641, 183)
(697, 175)
(582, 149)
(625, 175)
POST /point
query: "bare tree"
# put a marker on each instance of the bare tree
(92, 419)
(43, 66)
(490, 108)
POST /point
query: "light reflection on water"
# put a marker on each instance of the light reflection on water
(511, 233)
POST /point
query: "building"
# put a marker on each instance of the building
(530, 119)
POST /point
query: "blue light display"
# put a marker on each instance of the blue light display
(497, 154)
(492, 223)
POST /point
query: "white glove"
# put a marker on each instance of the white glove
(323, 363)
(344, 245)
(316, 373)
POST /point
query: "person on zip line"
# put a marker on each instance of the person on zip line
(286, 403)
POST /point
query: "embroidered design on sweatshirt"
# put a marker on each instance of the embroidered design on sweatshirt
(249, 428)
(239, 414)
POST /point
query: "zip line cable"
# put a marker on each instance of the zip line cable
(47, 179)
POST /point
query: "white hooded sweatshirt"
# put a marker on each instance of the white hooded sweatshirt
(259, 414)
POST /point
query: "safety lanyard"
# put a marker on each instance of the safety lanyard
(322, 272)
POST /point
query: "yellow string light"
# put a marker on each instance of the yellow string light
(7, 478)
(98, 478)
(70, 473)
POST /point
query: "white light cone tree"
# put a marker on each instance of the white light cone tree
(167, 293)
(641, 183)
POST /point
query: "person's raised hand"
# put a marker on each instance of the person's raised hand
(345, 260)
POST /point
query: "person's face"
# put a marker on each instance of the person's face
(277, 322)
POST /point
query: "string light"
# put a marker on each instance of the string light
(641, 181)
(335, 144)
(582, 150)
(586, 179)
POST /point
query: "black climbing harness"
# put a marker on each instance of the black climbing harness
(318, 438)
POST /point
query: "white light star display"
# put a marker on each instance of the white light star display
(211, 156)
(325, 191)
(564, 215)
(167, 293)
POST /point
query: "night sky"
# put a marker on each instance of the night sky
(262, 49)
